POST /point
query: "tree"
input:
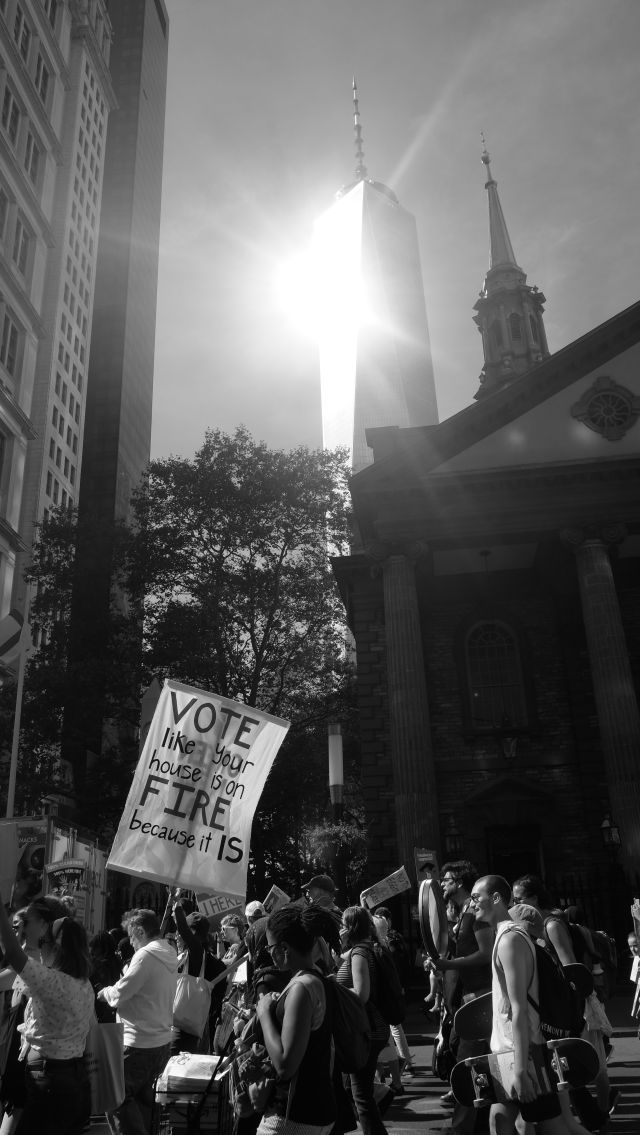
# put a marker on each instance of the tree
(230, 559)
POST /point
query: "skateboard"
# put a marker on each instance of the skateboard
(474, 1020)
(555, 1066)
(433, 919)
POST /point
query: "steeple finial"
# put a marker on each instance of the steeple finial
(361, 169)
(500, 247)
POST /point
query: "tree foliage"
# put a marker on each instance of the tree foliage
(226, 565)
(230, 558)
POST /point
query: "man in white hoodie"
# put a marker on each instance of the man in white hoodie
(144, 998)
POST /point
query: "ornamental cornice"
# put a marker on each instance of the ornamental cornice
(608, 535)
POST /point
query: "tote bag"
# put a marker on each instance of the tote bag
(192, 1001)
(104, 1061)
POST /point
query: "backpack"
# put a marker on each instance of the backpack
(350, 1026)
(560, 1007)
(389, 995)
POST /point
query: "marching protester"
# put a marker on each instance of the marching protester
(144, 998)
(516, 1023)
(296, 1029)
(471, 965)
(106, 968)
(530, 889)
(56, 1022)
(320, 891)
(194, 958)
(397, 947)
(358, 972)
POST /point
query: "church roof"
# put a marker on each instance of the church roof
(433, 446)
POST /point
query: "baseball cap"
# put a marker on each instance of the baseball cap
(529, 917)
(321, 881)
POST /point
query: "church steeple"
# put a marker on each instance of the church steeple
(509, 311)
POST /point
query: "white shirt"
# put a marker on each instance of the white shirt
(144, 995)
(58, 1013)
(502, 1032)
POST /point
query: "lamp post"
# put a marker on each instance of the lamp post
(336, 769)
(336, 787)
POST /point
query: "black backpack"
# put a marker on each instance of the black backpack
(561, 1007)
(350, 1026)
(389, 995)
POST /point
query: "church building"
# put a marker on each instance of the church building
(494, 600)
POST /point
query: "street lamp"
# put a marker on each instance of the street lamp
(453, 840)
(610, 834)
(336, 769)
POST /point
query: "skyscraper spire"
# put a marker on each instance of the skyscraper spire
(500, 247)
(361, 169)
(509, 311)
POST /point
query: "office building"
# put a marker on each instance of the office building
(55, 97)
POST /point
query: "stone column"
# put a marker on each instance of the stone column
(616, 701)
(411, 746)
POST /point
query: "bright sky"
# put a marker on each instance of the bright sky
(259, 136)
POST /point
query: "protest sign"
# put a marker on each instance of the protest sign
(187, 820)
(394, 884)
(217, 906)
(275, 900)
(426, 864)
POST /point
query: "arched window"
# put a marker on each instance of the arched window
(515, 326)
(494, 675)
(534, 328)
(496, 333)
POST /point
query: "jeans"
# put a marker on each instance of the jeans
(141, 1067)
(58, 1100)
(362, 1092)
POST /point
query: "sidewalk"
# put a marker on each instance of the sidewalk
(419, 1111)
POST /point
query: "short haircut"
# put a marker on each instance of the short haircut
(497, 884)
(146, 920)
(235, 920)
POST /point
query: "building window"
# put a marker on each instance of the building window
(9, 345)
(533, 323)
(496, 333)
(42, 79)
(494, 678)
(21, 242)
(515, 326)
(32, 158)
(608, 408)
(49, 484)
(10, 115)
(22, 33)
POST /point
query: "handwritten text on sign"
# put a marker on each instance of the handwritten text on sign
(187, 820)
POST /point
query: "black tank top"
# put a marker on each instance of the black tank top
(312, 1099)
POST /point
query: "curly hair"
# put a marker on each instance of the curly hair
(300, 926)
(359, 926)
(237, 921)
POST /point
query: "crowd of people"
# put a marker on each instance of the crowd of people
(275, 966)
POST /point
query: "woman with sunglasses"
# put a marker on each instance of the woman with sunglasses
(56, 1020)
(296, 1030)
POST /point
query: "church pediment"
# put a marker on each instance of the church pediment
(579, 405)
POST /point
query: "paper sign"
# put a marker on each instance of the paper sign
(187, 820)
(394, 884)
(426, 864)
(275, 900)
(216, 906)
